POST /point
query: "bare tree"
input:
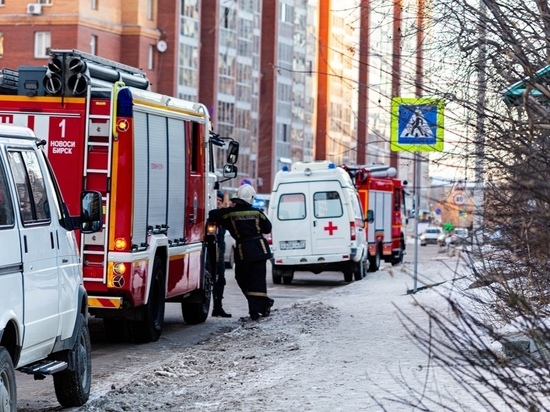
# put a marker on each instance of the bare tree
(509, 260)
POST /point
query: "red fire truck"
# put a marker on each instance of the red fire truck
(383, 200)
(152, 158)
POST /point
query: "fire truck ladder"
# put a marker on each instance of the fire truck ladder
(97, 172)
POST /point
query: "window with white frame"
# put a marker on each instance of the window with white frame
(94, 4)
(42, 43)
(43, 1)
(93, 45)
(150, 9)
(151, 58)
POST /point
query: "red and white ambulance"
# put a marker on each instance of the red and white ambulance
(152, 158)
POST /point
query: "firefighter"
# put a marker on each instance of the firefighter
(219, 286)
(247, 225)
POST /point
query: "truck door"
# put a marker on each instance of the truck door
(39, 252)
(11, 282)
(330, 222)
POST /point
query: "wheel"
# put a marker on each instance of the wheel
(399, 257)
(359, 272)
(348, 271)
(276, 275)
(150, 328)
(196, 307)
(72, 386)
(8, 390)
(288, 277)
(374, 261)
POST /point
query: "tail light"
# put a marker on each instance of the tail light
(269, 239)
(352, 232)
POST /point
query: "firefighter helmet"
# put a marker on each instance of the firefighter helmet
(246, 193)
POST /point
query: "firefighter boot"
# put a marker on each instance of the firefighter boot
(218, 310)
(268, 305)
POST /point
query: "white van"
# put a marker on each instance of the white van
(317, 223)
(43, 303)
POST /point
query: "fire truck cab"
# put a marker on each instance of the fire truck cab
(152, 158)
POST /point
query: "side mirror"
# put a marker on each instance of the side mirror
(370, 216)
(232, 152)
(91, 212)
(230, 171)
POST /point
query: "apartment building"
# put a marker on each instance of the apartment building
(282, 77)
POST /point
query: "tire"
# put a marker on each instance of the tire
(396, 260)
(196, 307)
(288, 277)
(359, 272)
(150, 328)
(374, 261)
(8, 389)
(276, 275)
(348, 271)
(72, 387)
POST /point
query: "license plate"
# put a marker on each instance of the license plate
(292, 245)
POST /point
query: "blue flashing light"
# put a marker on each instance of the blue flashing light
(285, 168)
(331, 165)
(125, 103)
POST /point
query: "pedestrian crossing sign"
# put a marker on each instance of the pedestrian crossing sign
(416, 125)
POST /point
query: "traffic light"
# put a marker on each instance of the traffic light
(66, 75)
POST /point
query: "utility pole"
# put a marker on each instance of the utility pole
(480, 123)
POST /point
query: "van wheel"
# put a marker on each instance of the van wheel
(374, 261)
(359, 272)
(276, 275)
(72, 387)
(8, 390)
(288, 277)
(150, 328)
(348, 271)
(196, 307)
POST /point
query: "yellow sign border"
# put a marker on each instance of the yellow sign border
(396, 102)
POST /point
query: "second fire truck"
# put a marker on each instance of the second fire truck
(152, 158)
(383, 199)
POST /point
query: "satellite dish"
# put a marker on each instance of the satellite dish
(161, 46)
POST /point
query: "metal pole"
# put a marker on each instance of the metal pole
(416, 217)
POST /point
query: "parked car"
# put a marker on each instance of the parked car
(459, 236)
(229, 256)
(442, 239)
(430, 235)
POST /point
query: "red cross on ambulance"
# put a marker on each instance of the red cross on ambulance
(330, 228)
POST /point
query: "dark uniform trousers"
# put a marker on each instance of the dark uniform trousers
(251, 278)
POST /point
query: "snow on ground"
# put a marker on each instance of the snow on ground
(345, 350)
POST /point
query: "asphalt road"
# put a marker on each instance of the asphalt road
(113, 363)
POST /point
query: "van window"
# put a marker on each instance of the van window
(357, 210)
(6, 206)
(327, 204)
(31, 192)
(292, 206)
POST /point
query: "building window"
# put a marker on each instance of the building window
(42, 44)
(151, 58)
(93, 45)
(94, 4)
(150, 9)
(44, 1)
(1, 44)
(2, 2)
